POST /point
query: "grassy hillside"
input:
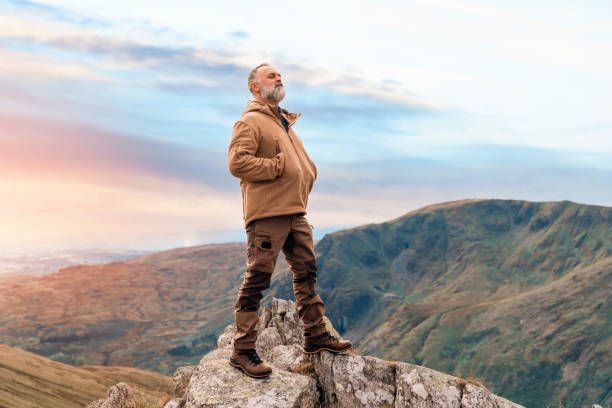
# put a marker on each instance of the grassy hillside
(29, 380)
(156, 312)
(516, 293)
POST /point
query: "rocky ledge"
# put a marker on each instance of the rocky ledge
(305, 381)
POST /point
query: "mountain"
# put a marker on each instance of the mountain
(513, 292)
(29, 380)
(16, 264)
(155, 312)
(517, 293)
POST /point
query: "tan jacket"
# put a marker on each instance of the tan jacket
(276, 175)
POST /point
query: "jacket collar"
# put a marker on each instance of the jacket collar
(271, 110)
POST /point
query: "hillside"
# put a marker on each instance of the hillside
(29, 380)
(514, 292)
(155, 312)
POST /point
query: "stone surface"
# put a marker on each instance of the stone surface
(217, 384)
(421, 387)
(119, 395)
(180, 380)
(175, 403)
(226, 338)
(287, 357)
(284, 317)
(266, 341)
(354, 381)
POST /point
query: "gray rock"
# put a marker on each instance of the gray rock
(217, 384)
(180, 380)
(349, 380)
(218, 354)
(266, 341)
(119, 396)
(284, 317)
(264, 318)
(175, 403)
(227, 337)
(346, 380)
(289, 357)
(353, 381)
(475, 396)
(422, 387)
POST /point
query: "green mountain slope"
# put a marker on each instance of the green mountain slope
(516, 293)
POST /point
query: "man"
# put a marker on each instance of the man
(276, 176)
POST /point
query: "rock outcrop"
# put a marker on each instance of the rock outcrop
(323, 380)
(119, 396)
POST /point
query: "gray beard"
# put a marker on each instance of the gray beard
(275, 93)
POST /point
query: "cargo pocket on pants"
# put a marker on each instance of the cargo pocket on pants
(260, 253)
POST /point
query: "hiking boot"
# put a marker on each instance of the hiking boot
(250, 363)
(325, 341)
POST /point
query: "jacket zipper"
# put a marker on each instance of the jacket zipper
(288, 135)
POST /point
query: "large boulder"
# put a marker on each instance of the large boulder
(322, 380)
(215, 383)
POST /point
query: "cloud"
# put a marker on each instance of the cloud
(227, 66)
(27, 65)
(55, 13)
(46, 148)
(72, 185)
(376, 190)
(74, 213)
(357, 194)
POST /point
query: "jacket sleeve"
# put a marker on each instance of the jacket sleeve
(242, 161)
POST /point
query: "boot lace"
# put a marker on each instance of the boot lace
(330, 336)
(251, 354)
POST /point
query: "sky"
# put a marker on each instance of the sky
(115, 117)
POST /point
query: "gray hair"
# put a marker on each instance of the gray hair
(253, 74)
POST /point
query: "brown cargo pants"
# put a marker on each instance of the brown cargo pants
(265, 238)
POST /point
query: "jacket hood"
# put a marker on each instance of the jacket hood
(257, 106)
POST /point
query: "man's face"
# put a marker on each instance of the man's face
(268, 82)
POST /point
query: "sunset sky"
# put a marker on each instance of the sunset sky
(115, 117)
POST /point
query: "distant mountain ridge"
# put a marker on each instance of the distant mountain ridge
(48, 262)
(510, 291)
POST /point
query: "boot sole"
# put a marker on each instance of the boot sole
(317, 350)
(238, 365)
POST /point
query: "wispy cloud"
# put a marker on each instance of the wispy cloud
(46, 11)
(45, 148)
(191, 62)
(119, 127)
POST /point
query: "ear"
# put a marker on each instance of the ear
(255, 88)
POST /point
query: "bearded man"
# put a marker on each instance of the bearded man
(276, 176)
